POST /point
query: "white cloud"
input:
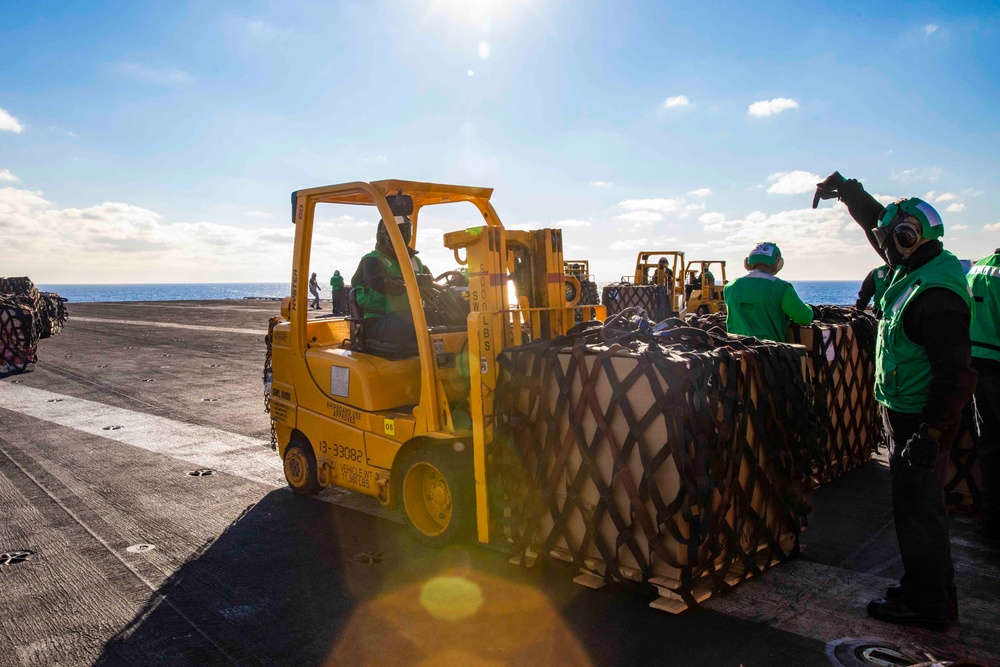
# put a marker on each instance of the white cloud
(691, 208)
(885, 200)
(484, 50)
(258, 214)
(958, 228)
(9, 124)
(701, 192)
(995, 227)
(792, 182)
(972, 192)
(562, 224)
(917, 174)
(677, 101)
(929, 29)
(711, 218)
(640, 217)
(601, 184)
(630, 244)
(6, 176)
(160, 76)
(656, 204)
(955, 208)
(936, 198)
(772, 107)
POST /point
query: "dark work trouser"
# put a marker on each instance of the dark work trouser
(392, 328)
(921, 519)
(338, 301)
(988, 450)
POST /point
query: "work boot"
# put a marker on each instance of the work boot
(897, 612)
(895, 592)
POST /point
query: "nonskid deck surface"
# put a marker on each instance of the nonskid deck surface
(95, 449)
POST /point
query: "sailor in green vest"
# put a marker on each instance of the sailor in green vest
(380, 290)
(337, 288)
(872, 289)
(760, 304)
(984, 281)
(923, 381)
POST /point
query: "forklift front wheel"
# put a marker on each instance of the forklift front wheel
(437, 497)
(703, 310)
(300, 469)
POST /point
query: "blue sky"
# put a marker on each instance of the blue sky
(159, 141)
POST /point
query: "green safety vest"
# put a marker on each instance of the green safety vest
(882, 276)
(902, 371)
(372, 302)
(337, 282)
(984, 281)
(762, 305)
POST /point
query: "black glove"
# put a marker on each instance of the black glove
(828, 188)
(921, 450)
(425, 279)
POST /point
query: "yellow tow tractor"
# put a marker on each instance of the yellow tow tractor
(649, 267)
(705, 296)
(411, 427)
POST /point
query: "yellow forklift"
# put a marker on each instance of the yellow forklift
(580, 286)
(705, 296)
(662, 267)
(411, 427)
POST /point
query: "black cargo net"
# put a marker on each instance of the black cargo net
(268, 375)
(653, 299)
(26, 316)
(670, 454)
(841, 347)
(588, 294)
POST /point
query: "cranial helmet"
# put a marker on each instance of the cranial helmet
(382, 239)
(900, 219)
(766, 253)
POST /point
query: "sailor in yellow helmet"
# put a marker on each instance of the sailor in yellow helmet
(984, 281)
(923, 381)
(760, 304)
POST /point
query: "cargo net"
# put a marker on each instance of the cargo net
(662, 453)
(653, 299)
(26, 316)
(267, 377)
(963, 477)
(840, 345)
(18, 344)
(589, 295)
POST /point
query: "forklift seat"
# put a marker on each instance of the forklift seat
(360, 342)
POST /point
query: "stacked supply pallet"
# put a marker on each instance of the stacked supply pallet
(654, 299)
(677, 458)
(26, 316)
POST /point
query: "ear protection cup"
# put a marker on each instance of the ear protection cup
(781, 264)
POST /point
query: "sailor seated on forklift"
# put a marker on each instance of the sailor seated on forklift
(761, 304)
(663, 275)
(381, 293)
(695, 281)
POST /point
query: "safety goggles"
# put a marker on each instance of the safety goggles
(908, 232)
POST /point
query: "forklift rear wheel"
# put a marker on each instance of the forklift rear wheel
(300, 469)
(703, 310)
(436, 493)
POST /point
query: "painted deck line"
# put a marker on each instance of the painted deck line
(172, 325)
(228, 308)
(201, 446)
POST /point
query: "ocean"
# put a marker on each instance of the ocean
(826, 292)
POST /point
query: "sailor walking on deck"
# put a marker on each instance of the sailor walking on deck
(923, 380)
(760, 304)
(314, 290)
(984, 281)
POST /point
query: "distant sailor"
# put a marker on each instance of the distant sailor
(984, 280)
(761, 304)
(872, 289)
(923, 381)
(337, 289)
(314, 290)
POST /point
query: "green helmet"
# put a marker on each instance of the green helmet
(766, 253)
(931, 226)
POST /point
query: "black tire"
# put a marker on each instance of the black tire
(570, 291)
(436, 493)
(703, 310)
(300, 469)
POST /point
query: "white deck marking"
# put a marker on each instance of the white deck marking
(173, 325)
(201, 446)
